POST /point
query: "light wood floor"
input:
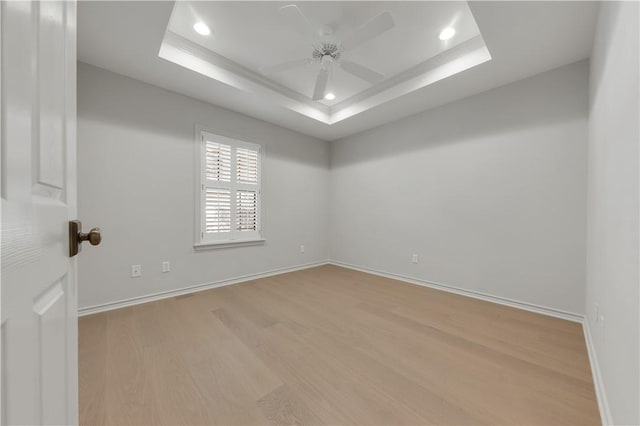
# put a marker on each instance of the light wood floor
(331, 346)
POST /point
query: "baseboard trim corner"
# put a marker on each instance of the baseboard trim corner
(94, 309)
(598, 383)
(557, 313)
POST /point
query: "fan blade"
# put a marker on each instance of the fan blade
(321, 84)
(362, 72)
(370, 30)
(273, 69)
(298, 20)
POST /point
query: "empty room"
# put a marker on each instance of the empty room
(320, 213)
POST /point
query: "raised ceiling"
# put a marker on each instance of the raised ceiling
(246, 37)
(523, 38)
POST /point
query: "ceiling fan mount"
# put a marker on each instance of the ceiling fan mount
(330, 53)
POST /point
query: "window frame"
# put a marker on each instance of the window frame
(234, 238)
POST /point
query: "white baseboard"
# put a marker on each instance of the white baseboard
(570, 316)
(192, 289)
(598, 383)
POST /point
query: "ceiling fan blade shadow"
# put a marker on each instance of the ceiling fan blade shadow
(378, 25)
(320, 89)
(273, 69)
(362, 72)
(299, 21)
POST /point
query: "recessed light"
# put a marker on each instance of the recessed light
(446, 34)
(201, 28)
(329, 96)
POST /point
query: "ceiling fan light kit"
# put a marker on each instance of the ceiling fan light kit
(329, 53)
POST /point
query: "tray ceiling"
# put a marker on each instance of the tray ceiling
(248, 36)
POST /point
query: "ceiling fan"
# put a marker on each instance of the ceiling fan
(329, 52)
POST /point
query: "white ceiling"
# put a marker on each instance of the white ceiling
(246, 36)
(523, 38)
(254, 34)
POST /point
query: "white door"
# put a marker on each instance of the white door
(38, 190)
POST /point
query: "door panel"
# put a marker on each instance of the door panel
(50, 309)
(39, 298)
(51, 67)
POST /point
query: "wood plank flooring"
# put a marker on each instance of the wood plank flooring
(331, 346)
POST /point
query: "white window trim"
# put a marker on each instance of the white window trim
(201, 242)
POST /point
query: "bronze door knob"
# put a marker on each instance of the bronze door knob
(93, 236)
(76, 237)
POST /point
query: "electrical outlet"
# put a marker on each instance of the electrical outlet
(136, 271)
(302, 249)
(166, 266)
(414, 258)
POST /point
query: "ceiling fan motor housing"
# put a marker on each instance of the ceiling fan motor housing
(333, 50)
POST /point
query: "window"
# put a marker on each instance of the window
(229, 202)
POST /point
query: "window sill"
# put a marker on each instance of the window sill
(214, 245)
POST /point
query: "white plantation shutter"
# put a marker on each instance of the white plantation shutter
(218, 161)
(247, 166)
(247, 211)
(217, 210)
(230, 189)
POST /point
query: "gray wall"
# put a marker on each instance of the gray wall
(612, 247)
(137, 182)
(489, 191)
